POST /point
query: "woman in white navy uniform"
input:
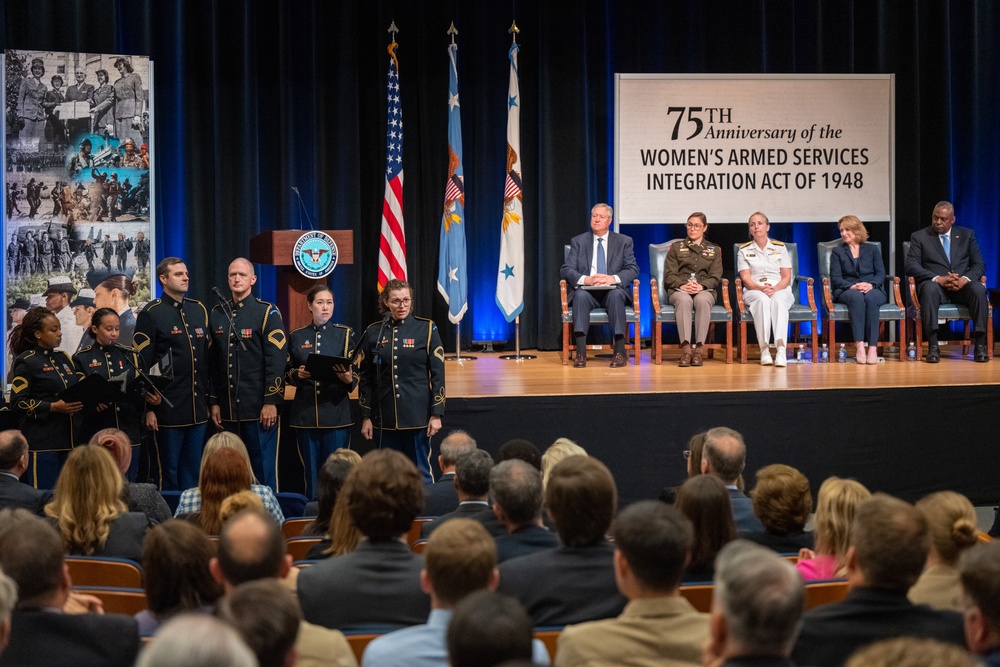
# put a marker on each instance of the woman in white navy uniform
(765, 268)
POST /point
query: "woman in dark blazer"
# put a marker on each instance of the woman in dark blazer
(857, 278)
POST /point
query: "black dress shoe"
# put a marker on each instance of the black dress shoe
(618, 360)
(981, 356)
(933, 355)
(581, 360)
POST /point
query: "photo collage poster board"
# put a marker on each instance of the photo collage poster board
(78, 187)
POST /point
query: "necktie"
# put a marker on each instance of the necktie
(945, 243)
(602, 261)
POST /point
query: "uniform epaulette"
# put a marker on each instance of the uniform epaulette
(781, 243)
(87, 349)
(340, 326)
(299, 329)
(745, 245)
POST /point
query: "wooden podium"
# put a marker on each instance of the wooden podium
(275, 247)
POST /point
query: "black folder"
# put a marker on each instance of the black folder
(320, 367)
(92, 391)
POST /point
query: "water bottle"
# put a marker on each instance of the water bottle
(691, 277)
(842, 354)
(800, 354)
(824, 354)
(911, 352)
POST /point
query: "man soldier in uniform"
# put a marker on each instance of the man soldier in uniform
(57, 298)
(173, 331)
(45, 254)
(13, 255)
(122, 249)
(247, 384)
(112, 189)
(109, 250)
(141, 251)
(90, 252)
(82, 160)
(29, 251)
(64, 254)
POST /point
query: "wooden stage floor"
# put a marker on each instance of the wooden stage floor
(488, 375)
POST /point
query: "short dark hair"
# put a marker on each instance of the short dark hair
(655, 539)
(519, 448)
(725, 462)
(12, 447)
(487, 629)
(460, 558)
(472, 472)
(31, 553)
(386, 494)
(980, 572)
(254, 557)
(266, 615)
(890, 541)
(176, 576)
(582, 498)
(163, 266)
(516, 488)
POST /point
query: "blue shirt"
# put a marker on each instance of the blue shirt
(425, 645)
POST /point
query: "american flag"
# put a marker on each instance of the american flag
(392, 244)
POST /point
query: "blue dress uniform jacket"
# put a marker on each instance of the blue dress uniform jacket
(38, 377)
(111, 361)
(243, 381)
(407, 373)
(320, 404)
(179, 328)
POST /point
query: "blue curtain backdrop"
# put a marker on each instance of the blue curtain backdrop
(255, 97)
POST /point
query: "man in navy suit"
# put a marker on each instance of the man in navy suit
(725, 456)
(599, 269)
(13, 462)
(441, 497)
(946, 263)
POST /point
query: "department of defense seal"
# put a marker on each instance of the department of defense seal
(315, 255)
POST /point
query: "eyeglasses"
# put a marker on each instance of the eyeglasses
(396, 303)
(694, 225)
(687, 453)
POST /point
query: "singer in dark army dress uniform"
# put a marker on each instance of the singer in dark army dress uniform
(401, 371)
(173, 331)
(248, 384)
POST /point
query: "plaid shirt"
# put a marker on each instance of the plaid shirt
(190, 502)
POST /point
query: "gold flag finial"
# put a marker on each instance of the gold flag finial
(452, 31)
(513, 32)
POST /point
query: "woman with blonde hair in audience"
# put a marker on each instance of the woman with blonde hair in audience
(239, 501)
(951, 519)
(176, 574)
(190, 501)
(705, 501)
(563, 448)
(143, 498)
(88, 511)
(222, 475)
(835, 506)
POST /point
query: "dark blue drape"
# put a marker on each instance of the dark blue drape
(255, 97)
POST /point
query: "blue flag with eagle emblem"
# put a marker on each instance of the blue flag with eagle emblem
(453, 280)
(510, 277)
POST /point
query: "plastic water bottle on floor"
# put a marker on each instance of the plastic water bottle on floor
(824, 355)
(800, 354)
(911, 352)
(842, 354)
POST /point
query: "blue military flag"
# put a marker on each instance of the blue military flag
(453, 282)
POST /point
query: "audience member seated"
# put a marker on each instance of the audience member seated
(516, 488)
(31, 553)
(912, 652)
(574, 582)
(377, 584)
(13, 462)
(440, 497)
(692, 459)
(197, 641)
(725, 456)
(175, 573)
(190, 501)
(489, 629)
(143, 498)
(343, 454)
(835, 506)
(472, 484)
(8, 600)
(267, 617)
(888, 549)
(88, 511)
(782, 501)
(222, 475)
(562, 448)
(460, 559)
(251, 548)
(519, 448)
(329, 482)
(705, 502)
(658, 626)
(951, 519)
(239, 502)
(342, 536)
(980, 576)
(756, 608)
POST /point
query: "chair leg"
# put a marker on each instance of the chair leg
(636, 342)
(918, 337)
(815, 341)
(902, 339)
(831, 334)
(729, 342)
(657, 352)
(743, 342)
(966, 337)
(565, 345)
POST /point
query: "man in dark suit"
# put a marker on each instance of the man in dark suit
(599, 270)
(946, 263)
(981, 585)
(889, 545)
(440, 497)
(31, 553)
(725, 456)
(472, 484)
(516, 488)
(575, 582)
(377, 584)
(13, 462)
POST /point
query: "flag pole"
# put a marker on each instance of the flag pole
(458, 347)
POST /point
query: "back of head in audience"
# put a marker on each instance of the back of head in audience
(833, 525)
(519, 448)
(516, 488)
(31, 553)
(239, 501)
(267, 616)
(387, 494)
(724, 454)
(8, 600)
(653, 541)
(951, 519)
(781, 499)
(488, 629)
(757, 603)
(196, 640)
(890, 544)
(461, 558)
(561, 449)
(117, 443)
(696, 450)
(87, 497)
(911, 652)
(13, 452)
(704, 500)
(455, 444)
(344, 536)
(175, 566)
(330, 481)
(472, 474)
(980, 567)
(225, 440)
(345, 454)
(582, 499)
(223, 474)
(250, 547)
